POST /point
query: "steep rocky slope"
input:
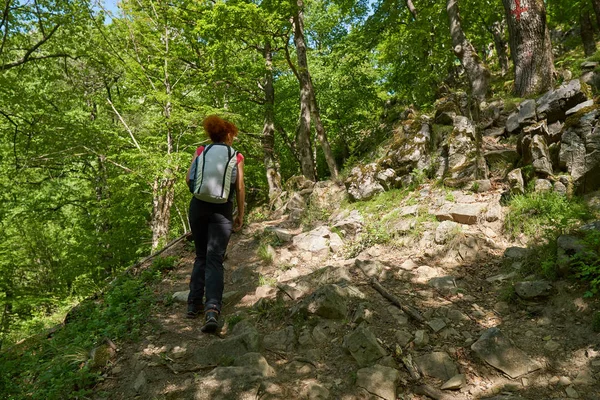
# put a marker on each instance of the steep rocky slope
(305, 315)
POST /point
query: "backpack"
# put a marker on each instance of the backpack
(212, 173)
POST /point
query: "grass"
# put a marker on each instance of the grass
(57, 367)
(539, 215)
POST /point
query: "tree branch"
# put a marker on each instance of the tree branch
(27, 57)
(125, 125)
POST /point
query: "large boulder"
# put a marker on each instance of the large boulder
(465, 161)
(410, 150)
(362, 183)
(553, 105)
(516, 182)
(328, 195)
(580, 150)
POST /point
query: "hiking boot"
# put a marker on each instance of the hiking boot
(212, 321)
(194, 311)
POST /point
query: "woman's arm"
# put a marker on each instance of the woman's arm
(187, 176)
(240, 197)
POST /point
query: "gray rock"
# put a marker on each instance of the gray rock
(399, 317)
(282, 234)
(403, 337)
(542, 185)
(572, 393)
(244, 339)
(554, 103)
(579, 107)
(466, 213)
(350, 223)
(421, 338)
(580, 152)
(324, 331)
(443, 283)
(464, 163)
(362, 314)
(181, 297)
(559, 188)
(328, 301)
(589, 65)
(316, 241)
(533, 289)
(437, 365)
(228, 383)
(437, 324)
(494, 212)
(315, 391)
(255, 362)
(552, 346)
(387, 178)
(515, 254)
(512, 123)
(527, 113)
(505, 157)
(515, 181)
(554, 132)
(326, 195)
(540, 156)
(363, 346)
(456, 382)
(445, 117)
(141, 382)
(281, 340)
(445, 231)
(481, 185)
(379, 381)
(411, 152)
(495, 349)
(362, 183)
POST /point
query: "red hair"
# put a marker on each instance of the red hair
(218, 129)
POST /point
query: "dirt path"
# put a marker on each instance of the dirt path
(316, 329)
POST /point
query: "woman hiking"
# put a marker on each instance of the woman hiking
(215, 176)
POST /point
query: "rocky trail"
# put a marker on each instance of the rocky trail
(303, 320)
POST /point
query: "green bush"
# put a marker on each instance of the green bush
(587, 263)
(56, 368)
(547, 215)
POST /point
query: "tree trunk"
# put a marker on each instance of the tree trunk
(477, 72)
(501, 45)
(412, 8)
(321, 135)
(303, 143)
(268, 136)
(531, 49)
(163, 188)
(596, 5)
(6, 316)
(587, 32)
(163, 193)
(307, 93)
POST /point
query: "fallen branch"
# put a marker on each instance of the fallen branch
(395, 301)
(193, 369)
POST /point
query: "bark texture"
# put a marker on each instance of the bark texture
(411, 8)
(303, 143)
(596, 5)
(268, 134)
(587, 32)
(307, 87)
(498, 29)
(531, 49)
(478, 74)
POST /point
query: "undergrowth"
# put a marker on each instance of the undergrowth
(58, 367)
(544, 215)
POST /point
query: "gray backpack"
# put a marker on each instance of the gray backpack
(213, 172)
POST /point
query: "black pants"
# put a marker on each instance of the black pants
(211, 227)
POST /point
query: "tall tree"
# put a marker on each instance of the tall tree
(478, 74)
(530, 46)
(587, 29)
(308, 100)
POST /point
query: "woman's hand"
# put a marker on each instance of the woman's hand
(238, 222)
